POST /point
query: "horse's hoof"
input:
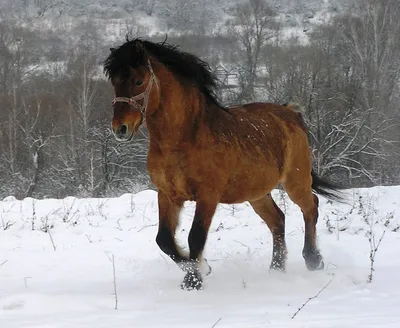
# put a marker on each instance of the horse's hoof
(277, 266)
(192, 281)
(314, 262)
(321, 265)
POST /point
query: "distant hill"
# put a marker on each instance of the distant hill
(148, 17)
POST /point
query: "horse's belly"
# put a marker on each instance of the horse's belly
(250, 185)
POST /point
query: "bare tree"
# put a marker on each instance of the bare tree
(38, 131)
(371, 42)
(349, 140)
(82, 101)
(253, 25)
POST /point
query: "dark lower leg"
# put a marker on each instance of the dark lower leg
(168, 221)
(313, 258)
(197, 239)
(166, 242)
(311, 253)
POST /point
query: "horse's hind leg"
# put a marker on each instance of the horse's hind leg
(275, 219)
(300, 192)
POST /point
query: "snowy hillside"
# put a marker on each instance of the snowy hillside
(115, 18)
(56, 266)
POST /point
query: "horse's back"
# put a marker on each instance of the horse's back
(287, 114)
(272, 124)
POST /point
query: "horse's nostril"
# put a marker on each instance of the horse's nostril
(122, 130)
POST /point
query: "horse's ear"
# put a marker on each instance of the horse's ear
(140, 53)
(140, 48)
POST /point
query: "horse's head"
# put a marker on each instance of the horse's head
(135, 86)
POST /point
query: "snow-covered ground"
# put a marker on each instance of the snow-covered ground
(56, 266)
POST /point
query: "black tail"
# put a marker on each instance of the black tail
(326, 189)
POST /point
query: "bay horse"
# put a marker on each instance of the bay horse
(202, 151)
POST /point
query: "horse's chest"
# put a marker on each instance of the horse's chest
(168, 174)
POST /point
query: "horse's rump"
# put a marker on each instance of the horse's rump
(255, 145)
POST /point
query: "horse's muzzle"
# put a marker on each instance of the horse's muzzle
(122, 133)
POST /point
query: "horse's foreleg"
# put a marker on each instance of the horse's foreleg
(205, 209)
(168, 221)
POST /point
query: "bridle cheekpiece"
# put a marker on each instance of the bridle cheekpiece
(133, 101)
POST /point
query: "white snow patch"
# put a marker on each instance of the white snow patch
(72, 286)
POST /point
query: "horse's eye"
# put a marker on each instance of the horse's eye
(139, 82)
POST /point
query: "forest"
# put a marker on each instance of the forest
(339, 60)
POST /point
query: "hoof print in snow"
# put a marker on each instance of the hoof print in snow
(14, 305)
(206, 268)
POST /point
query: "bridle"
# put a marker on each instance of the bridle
(133, 101)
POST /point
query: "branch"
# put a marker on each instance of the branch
(147, 226)
(374, 249)
(51, 238)
(216, 323)
(311, 298)
(115, 284)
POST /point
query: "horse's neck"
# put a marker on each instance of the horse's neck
(173, 121)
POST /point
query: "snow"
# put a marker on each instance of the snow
(60, 273)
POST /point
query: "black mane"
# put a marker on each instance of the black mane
(191, 68)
